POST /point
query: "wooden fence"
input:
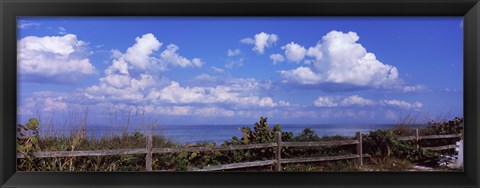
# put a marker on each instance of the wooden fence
(417, 137)
(277, 161)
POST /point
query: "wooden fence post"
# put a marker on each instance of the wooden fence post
(417, 138)
(148, 157)
(359, 148)
(278, 151)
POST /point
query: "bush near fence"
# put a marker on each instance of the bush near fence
(257, 148)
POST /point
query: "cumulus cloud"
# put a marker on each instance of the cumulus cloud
(355, 100)
(171, 57)
(402, 104)
(231, 53)
(261, 41)
(133, 80)
(130, 79)
(141, 57)
(301, 75)
(54, 58)
(294, 52)
(338, 59)
(326, 101)
(176, 94)
(277, 58)
(43, 102)
(135, 73)
(115, 54)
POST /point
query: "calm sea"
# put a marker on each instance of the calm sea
(187, 134)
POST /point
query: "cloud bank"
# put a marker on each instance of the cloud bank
(54, 58)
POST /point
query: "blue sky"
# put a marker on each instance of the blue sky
(207, 70)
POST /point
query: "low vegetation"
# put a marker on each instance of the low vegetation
(387, 152)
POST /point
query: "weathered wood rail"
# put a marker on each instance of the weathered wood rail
(418, 137)
(149, 150)
(277, 161)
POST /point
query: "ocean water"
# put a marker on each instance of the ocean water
(189, 134)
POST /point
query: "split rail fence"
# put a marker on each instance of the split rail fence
(277, 161)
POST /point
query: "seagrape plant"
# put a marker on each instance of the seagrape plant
(27, 140)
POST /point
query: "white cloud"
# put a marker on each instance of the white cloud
(301, 75)
(58, 58)
(277, 58)
(315, 52)
(174, 110)
(261, 41)
(115, 53)
(234, 63)
(283, 103)
(129, 83)
(171, 57)
(327, 101)
(355, 100)
(214, 112)
(294, 52)
(217, 70)
(339, 59)
(413, 89)
(402, 104)
(116, 87)
(42, 102)
(238, 95)
(62, 31)
(51, 104)
(235, 52)
(139, 55)
(135, 73)
(247, 41)
(25, 24)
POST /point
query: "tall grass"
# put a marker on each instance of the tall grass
(74, 137)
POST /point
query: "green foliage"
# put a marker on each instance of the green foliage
(27, 142)
(307, 135)
(261, 133)
(383, 143)
(454, 126)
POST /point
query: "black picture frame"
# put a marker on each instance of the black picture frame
(10, 9)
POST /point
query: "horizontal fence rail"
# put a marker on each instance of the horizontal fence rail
(320, 159)
(417, 137)
(143, 151)
(220, 148)
(320, 144)
(406, 138)
(91, 153)
(277, 161)
(236, 165)
(439, 148)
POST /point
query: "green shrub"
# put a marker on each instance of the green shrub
(383, 143)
